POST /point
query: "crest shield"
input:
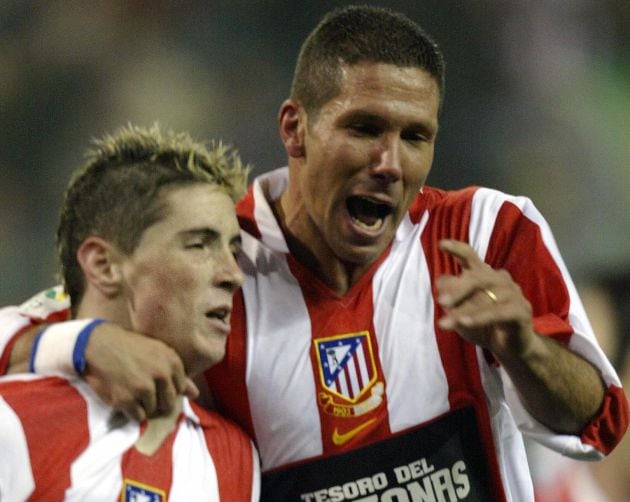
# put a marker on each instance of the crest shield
(346, 364)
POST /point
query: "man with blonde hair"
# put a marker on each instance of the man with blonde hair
(147, 239)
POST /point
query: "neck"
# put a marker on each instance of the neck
(94, 304)
(158, 429)
(317, 256)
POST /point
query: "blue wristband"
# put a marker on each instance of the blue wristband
(31, 360)
(78, 354)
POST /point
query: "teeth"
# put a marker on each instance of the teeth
(374, 226)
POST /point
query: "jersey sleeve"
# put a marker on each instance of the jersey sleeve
(12, 323)
(47, 306)
(511, 234)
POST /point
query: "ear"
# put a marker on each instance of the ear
(292, 124)
(100, 262)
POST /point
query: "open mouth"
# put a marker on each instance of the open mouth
(368, 213)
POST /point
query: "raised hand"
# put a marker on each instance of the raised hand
(484, 305)
(487, 307)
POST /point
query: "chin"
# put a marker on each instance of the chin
(212, 352)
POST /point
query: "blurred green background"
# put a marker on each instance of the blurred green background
(537, 103)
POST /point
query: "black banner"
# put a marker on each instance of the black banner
(439, 462)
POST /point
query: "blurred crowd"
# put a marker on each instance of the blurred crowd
(537, 103)
(560, 479)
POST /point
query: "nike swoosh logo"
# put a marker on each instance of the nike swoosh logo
(340, 439)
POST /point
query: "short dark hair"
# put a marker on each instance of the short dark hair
(116, 194)
(356, 34)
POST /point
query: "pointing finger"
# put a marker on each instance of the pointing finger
(461, 251)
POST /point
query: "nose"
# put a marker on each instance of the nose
(386, 166)
(228, 275)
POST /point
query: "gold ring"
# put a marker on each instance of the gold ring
(490, 294)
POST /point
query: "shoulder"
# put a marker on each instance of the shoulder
(50, 305)
(43, 398)
(432, 199)
(41, 403)
(434, 196)
(482, 201)
(21, 383)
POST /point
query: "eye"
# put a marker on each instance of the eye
(365, 129)
(198, 242)
(196, 245)
(203, 239)
(414, 136)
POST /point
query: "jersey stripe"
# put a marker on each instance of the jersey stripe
(452, 220)
(98, 469)
(334, 316)
(403, 319)
(558, 312)
(280, 331)
(228, 479)
(18, 480)
(67, 410)
(193, 452)
(153, 470)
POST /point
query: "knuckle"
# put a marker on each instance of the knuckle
(144, 393)
(161, 379)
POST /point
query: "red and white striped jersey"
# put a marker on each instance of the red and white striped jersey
(60, 442)
(362, 396)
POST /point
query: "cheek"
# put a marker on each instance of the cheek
(354, 155)
(415, 177)
(161, 295)
(332, 169)
(418, 164)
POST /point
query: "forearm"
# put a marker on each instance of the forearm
(21, 351)
(559, 388)
(132, 372)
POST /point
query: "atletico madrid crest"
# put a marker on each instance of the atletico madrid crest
(346, 364)
(138, 492)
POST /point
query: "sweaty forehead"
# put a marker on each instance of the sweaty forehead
(374, 72)
(394, 81)
(378, 88)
